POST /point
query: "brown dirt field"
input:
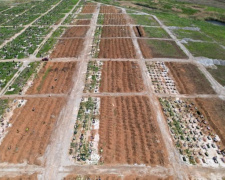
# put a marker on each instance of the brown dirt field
(79, 31)
(117, 48)
(116, 31)
(109, 9)
(117, 177)
(21, 145)
(120, 76)
(23, 177)
(214, 111)
(63, 71)
(189, 79)
(88, 9)
(115, 19)
(82, 22)
(68, 48)
(129, 133)
(139, 31)
(146, 51)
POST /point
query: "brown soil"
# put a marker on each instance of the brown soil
(189, 79)
(120, 76)
(116, 177)
(68, 48)
(54, 78)
(88, 9)
(146, 51)
(117, 48)
(109, 9)
(79, 31)
(214, 110)
(116, 31)
(139, 31)
(129, 133)
(82, 22)
(115, 19)
(22, 177)
(30, 133)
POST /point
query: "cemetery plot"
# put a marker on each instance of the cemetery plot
(189, 79)
(68, 48)
(129, 133)
(88, 9)
(193, 136)
(117, 48)
(115, 31)
(160, 49)
(82, 22)
(93, 76)
(22, 177)
(112, 19)
(7, 71)
(8, 32)
(84, 145)
(25, 44)
(109, 9)
(160, 77)
(32, 126)
(54, 78)
(20, 84)
(76, 32)
(121, 76)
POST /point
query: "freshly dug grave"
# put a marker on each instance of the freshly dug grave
(109, 9)
(22, 177)
(79, 31)
(68, 48)
(88, 9)
(116, 31)
(31, 130)
(139, 31)
(117, 48)
(115, 19)
(54, 78)
(118, 76)
(189, 79)
(214, 111)
(116, 177)
(129, 132)
(160, 49)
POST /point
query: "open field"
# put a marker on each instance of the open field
(115, 31)
(112, 19)
(151, 32)
(88, 9)
(116, 48)
(189, 79)
(160, 49)
(68, 48)
(54, 78)
(218, 74)
(143, 20)
(76, 32)
(115, 177)
(129, 133)
(30, 133)
(121, 77)
(82, 22)
(22, 177)
(109, 9)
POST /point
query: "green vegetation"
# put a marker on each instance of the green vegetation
(7, 71)
(100, 19)
(155, 32)
(218, 73)
(144, 20)
(19, 83)
(84, 16)
(8, 32)
(3, 106)
(195, 35)
(165, 49)
(69, 19)
(209, 50)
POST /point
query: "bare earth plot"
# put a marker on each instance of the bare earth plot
(54, 77)
(129, 133)
(23, 177)
(76, 32)
(189, 79)
(121, 77)
(115, 31)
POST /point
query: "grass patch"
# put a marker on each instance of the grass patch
(154, 32)
(3, 106)
(195, 35)
(218, 74)
(84, 16)
(144, 20)
(23, 78)
(208, 50)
